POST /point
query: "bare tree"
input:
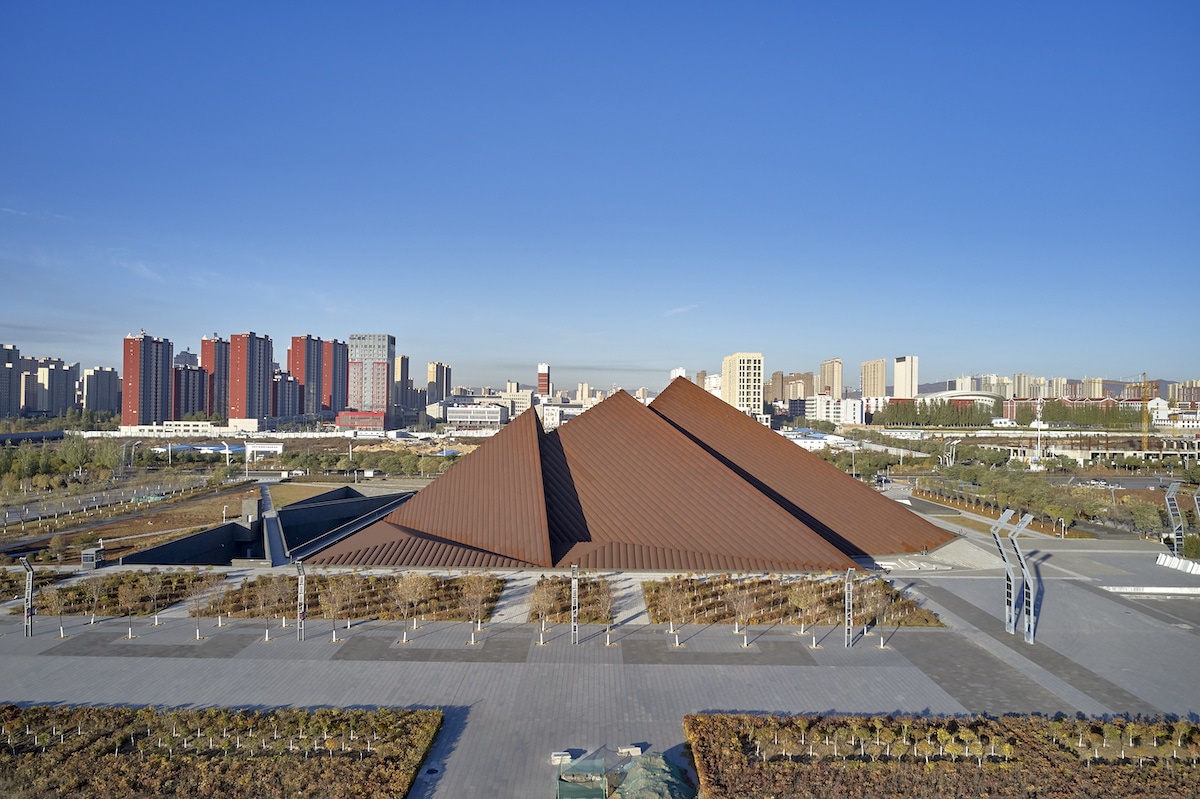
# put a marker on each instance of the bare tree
(282, 591)
(54, 600)
(129, 595)
(476, 590)
(335, 595)
(154, 585)
(800, 596)
(743, 603)
(94, 587)
(409, 590)
(543, 599)
(602, 600)
(674, 602)
(200, 592)
(345, 587)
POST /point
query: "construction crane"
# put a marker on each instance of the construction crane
(1145, 414)
(1145, 394)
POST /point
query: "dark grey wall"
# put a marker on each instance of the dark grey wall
(215, 547)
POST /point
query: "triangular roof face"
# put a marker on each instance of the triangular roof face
(643, 486)
(629, 487)
(491, 501)
(844, 510)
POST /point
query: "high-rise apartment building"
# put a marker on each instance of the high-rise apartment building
(831, 378)
(146, 380)
(251, 368)
(214, 360)
(544, 387)
(335, 376)
(798, 386)
(50, 387)
(437, 384)
(186, 358)
(306, 365)
(101, 389)
(402, 383)
(1093, 387)
(874, 378)
(287, 395)
(1022, 385)
(774, 387)
(904, 377)
(10, 380)
(1058, 387)
(189, 389)
(742, 381)
(372, 356)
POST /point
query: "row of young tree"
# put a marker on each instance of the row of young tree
(402, 462)
(995, 489)
(818, 601)
(936, 413)
(191, 752)
(740, 755)
(73, 419)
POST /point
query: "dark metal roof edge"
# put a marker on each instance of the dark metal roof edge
(349, 528)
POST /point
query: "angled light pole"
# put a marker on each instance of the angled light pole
(1010, 617)
(1030, 587)
(28, 597)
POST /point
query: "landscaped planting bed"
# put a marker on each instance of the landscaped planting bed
(739, 755)
(550, 601)
(106, 752)
(357, 596)
(820, 601)
(118, 593)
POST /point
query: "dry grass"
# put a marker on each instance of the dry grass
(284, 494)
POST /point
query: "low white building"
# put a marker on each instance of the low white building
(476, 415)
(827, 408)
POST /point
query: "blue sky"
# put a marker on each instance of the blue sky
(614, 188)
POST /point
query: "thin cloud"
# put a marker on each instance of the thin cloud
(138, 268)
(681, 309)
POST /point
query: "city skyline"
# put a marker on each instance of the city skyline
(591, 187)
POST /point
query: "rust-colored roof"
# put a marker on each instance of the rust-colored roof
(491, 500)
(691, 484)
(642, 486)
(844, 510)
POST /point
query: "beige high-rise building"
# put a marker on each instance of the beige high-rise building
(799, 385)
(742, 381)
(904, 377)
(1093, 387)
(831, 378)
(774, 387)
(874, 378)
(1023, 385)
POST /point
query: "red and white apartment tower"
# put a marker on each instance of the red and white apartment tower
(146, 380)
(251, 372)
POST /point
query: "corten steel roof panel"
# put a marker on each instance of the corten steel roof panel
(491, 500)
(639, 481)
(849, 513)
(384, 544)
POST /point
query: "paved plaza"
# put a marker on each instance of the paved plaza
(1116, 635)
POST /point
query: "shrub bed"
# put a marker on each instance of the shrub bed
(105, 752)
(739, 755)
(719, 599)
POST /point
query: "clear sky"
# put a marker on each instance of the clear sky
(615, 188)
